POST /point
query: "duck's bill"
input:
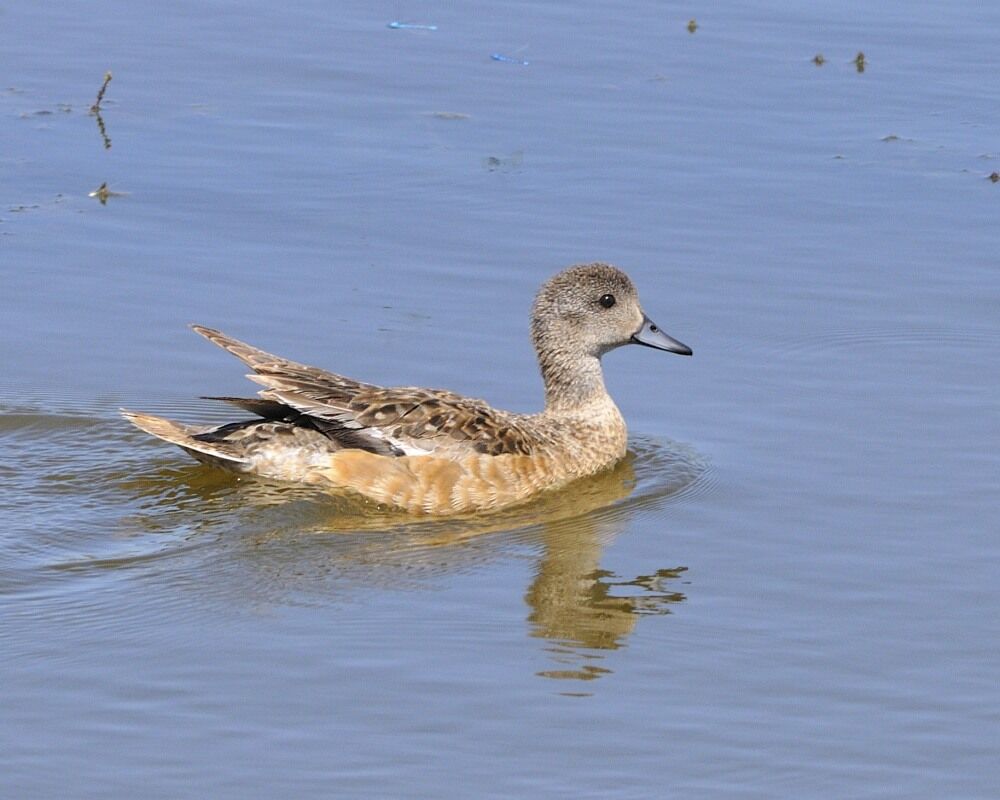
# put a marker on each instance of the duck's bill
(652, 336)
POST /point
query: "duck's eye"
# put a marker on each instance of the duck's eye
(607, 300)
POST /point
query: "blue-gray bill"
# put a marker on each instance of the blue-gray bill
(651, 336)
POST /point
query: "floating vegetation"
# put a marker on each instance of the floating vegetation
(102, 193)
(692, 25)
(860, 62)
(819, 60)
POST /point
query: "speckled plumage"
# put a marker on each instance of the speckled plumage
(432, 451)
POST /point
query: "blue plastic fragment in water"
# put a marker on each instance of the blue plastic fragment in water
(411, 26)
(508, 59)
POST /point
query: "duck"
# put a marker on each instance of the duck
(432, 451)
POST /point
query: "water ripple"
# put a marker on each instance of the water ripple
(880, 338)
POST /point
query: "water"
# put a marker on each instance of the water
(788, 590)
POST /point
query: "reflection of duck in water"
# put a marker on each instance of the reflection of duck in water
(431, 451)
(578, 606)
(296, 541)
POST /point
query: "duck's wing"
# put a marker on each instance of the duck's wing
(430, 420)
(264, 363)
(404, 420)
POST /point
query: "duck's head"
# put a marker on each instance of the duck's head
(590, 309)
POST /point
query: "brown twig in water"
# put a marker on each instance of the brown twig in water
(96, 108)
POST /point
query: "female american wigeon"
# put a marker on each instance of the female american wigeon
(430, 451)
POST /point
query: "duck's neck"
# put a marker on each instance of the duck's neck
(571, 381)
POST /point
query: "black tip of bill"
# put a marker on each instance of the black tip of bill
(651, 336)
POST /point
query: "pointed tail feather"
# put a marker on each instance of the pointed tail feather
(181, 435)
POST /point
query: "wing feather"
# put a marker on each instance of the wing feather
(404, 419)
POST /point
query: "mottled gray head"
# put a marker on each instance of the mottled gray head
(589, 309)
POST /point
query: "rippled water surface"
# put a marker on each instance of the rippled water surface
(788, 589)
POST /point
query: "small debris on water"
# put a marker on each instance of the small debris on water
(860, 62)
(819, 60)
(447, 115)
(504, 163)
(890, 138)
(508, 59)
(102, 193)
(692, 25)
(411, 26)
(995, 177)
